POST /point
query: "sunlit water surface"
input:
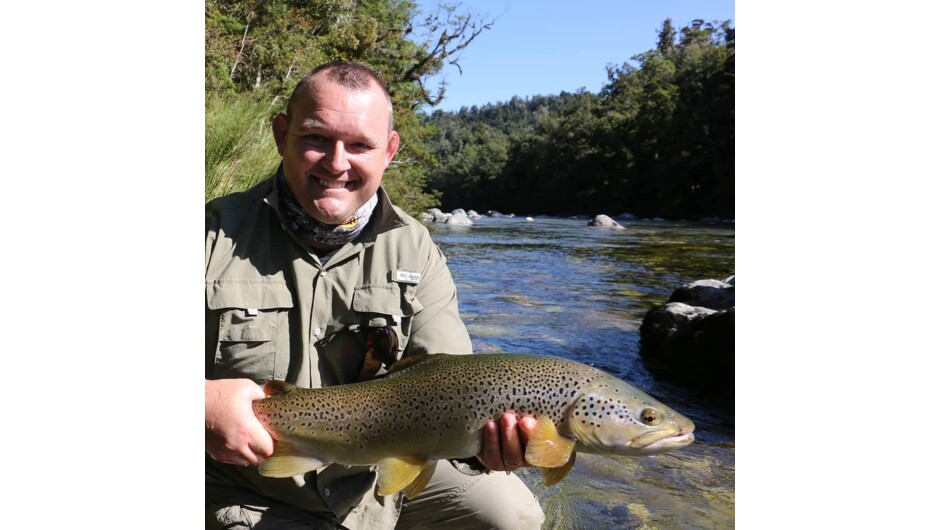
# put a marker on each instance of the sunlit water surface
(558, 287)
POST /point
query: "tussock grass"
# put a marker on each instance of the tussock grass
(240, 150)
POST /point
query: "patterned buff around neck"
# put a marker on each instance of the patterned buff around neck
(315, 233)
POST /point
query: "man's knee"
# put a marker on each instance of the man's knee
(454, 500)
(505, 502)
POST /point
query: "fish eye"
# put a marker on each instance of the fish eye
(649, 416)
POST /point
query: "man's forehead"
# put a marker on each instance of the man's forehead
(321, 84)
(316, 97)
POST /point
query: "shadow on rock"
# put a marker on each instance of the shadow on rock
(690, 339)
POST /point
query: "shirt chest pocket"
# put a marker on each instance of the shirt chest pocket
(254, 338)
(344, 354)
(390, 304)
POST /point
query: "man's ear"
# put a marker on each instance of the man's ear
(279, 128)
(392, 147)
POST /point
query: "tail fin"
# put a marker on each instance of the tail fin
(273, 388)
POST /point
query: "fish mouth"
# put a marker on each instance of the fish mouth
(657, 442)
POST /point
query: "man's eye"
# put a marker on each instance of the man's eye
(316, 138)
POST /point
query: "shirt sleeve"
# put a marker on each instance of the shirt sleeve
(212, 317)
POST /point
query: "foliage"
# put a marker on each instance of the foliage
(240, 150)
(657, 140)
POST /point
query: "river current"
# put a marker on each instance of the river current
(559, 287)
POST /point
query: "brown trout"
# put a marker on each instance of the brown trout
(435, 406)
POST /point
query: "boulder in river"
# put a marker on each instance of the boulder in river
(690, 339)
(439, 216)
(459, 219)
(605, 221)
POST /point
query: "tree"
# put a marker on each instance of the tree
(657, 140)
(667, 38)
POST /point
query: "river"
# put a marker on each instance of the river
(559, 287)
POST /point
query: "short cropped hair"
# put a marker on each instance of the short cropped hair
(350, 75)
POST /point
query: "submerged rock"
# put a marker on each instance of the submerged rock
(605, 221)
(690, 339)
(494, 213)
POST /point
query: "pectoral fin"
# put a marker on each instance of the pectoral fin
(547, 448)
(415, 488)
(396, 473)
(287, 461)
(553, 475)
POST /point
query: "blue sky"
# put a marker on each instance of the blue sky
(546, 47)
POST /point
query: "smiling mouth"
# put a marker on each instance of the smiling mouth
(336, 185)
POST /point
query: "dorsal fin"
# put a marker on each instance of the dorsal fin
(273, 388)
(413, 360)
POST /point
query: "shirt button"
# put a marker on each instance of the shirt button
(317, 332)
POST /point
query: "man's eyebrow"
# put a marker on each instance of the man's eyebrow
(311, 123)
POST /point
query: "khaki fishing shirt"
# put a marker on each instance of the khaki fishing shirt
(275, 311)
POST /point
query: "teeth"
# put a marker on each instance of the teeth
(332, 185)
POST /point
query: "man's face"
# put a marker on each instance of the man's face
(335, 148)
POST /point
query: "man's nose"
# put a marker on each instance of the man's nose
(336, 158)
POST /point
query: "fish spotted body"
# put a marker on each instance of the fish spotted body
(435, 406)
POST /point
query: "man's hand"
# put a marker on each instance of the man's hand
(504, 444)
(233, 433)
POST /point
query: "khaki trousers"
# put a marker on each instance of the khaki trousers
(451, 501)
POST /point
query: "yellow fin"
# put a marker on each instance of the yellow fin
(553, 475)
(287, 461)
(415, 488)
(397, 472)
(547, 448)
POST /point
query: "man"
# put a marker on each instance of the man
(315, 278)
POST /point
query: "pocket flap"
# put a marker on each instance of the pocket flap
(386, 299)
(221, 294)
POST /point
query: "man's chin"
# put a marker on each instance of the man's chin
(331, 212)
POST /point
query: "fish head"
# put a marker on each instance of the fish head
(621, 420)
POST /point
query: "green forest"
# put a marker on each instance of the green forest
(656, 141)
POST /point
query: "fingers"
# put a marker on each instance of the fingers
(260, 441)
(526, 428)
(490, 454)
(509, 443)
(233, 433)
(260, 444)
(504, 442)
